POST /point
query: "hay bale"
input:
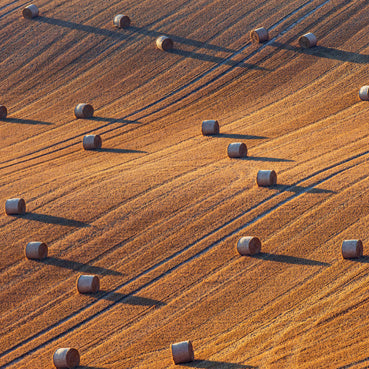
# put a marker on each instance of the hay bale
(3, 112)
(30, 11)
(66, 358)
(164, 43)
(237, 150)
(182, 352)
(308, 40)
(248, 245)
(121, 21)
(210, 127)
(364, 93)
(83, 110)
(266, 178)
(92, 142)
(36, 250)
(352, 249)
(88, 284)
(15, 206)
(259, 35)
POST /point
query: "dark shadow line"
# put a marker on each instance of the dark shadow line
(217, 364)
(298, 189)
(326, 52)
(51, 219)
(241, 137)
(363, 259)
(78, 267)
(128, 299)
(121, 151)
(25, 121)
(114, 120)
(215, 59)
(89, 367)
(289, 259)
(264, 158)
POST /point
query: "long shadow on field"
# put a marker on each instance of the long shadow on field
(326, 52)
(121, 151)
(51, 219)
(215, 59)
(217, 364)
(89, 367)
(299, 189)
(78, 267)
(115, 120)
(363, 259)
(127, 299)
(241, 137)
(264, 158)
(288, 259)
(25, 121)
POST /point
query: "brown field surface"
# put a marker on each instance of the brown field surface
(156, 213)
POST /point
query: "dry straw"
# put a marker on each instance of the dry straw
(121, 21)
(308, 40)
(364, 93)
(237, 150)
(248, 245)
(30, 11)
(92, 142)
(210, 127)
(352, 249)
(88, 284)
(164, 43)
(36, 250)
(83, 110)
(259, 35)
(266, 178)
(15, 206)
(66, 358)
(182, 352)
(3, 112)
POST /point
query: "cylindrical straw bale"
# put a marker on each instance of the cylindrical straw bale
(164, 43)
(210, 127)
(248, 245)
(259, 35)
(83, 111)
(88, 284)
(308, 40)
(91, 142)
(30, 11)
(352, 249)
(36, 250)
(121, 21)
(3, 112)
(15, 207)
(237, 150)
(364, 93)
(66, 358)
(182, 352)
(266, 178)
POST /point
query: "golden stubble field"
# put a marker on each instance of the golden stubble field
(157, 212)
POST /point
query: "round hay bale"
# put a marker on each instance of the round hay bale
(266, 178)
(30, 11)
(164, 43)
(121, 21)
(352, 249)
(92, 142)
(182, 352)
(248, 245)
(36, 250)
(364, 93)
(88, 284)
(308, 40)
(3, 112)
(210, 127)
(15, 207)
(237, 150)
(66, 358)
(83, 111)
(259, 35)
